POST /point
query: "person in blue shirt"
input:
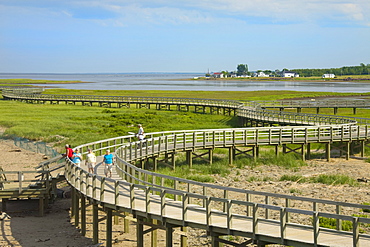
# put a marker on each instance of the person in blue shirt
(77, 157)
(108, 163)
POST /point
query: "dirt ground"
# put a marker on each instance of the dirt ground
(55, 229)
(25, 228)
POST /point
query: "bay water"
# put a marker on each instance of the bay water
(184, 81)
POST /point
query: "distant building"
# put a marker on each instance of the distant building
(218, 75)
(260, 74)
(328, 76)
(289, 74)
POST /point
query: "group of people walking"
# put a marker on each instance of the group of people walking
(76, 157)
(108, 159)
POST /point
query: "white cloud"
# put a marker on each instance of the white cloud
(344, 12)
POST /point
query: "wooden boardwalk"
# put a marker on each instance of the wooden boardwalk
(152, 202)
(173, 203)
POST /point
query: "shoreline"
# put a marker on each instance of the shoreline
(302, 79)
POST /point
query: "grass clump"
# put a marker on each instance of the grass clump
(331, 179)
(364, 209)
(334, 179)
(346, 225)
(186, 173)
(287, 161)
(332, 224)
(293, 178)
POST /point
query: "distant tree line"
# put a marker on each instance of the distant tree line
(362, 69)
(346, 70)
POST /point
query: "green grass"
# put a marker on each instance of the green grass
(329, 179)
(346, 225)
(82, 124)
(334, 179)
(230, 95)
(293, 178)
(287, 161)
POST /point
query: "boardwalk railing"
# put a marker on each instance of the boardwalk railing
(246, 110)
(344, 103)
(260, 215)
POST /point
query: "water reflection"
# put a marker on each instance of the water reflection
(182, 81)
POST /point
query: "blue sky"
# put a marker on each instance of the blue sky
(118, 36)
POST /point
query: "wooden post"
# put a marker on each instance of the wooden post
(126, 224)
(73, 198)
(154, 235)
(231, 155)
(3, 204)
(77, 209)
(169, 236)
(95, 223)
(189, 158)
(83, 216)
(303, 152)
(214, 240)
(328, 151)
(348, 149)
(173, 161)
(109, 228)
(155, 163)
(41, 206)
(140, 232)
(210, 157)
(308, 153)
(184, 238)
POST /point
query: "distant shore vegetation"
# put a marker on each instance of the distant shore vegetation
(345, 73)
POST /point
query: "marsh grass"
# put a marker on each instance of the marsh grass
(230, 95)
(82, 124)
(346, 225)
(287, 161)
(328, 179)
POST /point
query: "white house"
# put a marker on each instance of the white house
(218, 75)
(260, 74)
(289, 74)
(328, 76)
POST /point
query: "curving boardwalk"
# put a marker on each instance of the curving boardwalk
(167, 202)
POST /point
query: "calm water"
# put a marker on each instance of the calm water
(169, 81)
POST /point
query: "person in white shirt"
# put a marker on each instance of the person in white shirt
(140, 134)
(90, 160)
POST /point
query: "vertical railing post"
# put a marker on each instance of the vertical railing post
(208, 212)
(316, 227)
(338, 211)
(116, 193)
(184, 208)
(267, 211)
(132, 196)
(102, 189)
(356, 232)
(255, 220)
(283, 221)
